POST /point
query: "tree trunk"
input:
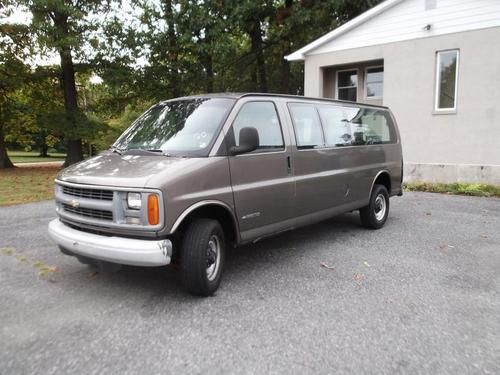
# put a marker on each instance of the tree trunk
(287, 48)
(172, 48)
(253, 77)
(4, 158)
(256, 40)
(285, 75)
(210, 73)
(44, 150)
(74, 152)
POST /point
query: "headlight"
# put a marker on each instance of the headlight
(134, 201)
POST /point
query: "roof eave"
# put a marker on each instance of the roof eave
(296, 56)
(300, 54)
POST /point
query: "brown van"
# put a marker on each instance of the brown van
(194, 176)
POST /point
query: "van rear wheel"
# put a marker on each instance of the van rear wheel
(202, 257)
(374, 215)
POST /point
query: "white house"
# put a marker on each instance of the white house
(436, 64)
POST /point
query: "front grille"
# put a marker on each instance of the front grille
(85, 229)
(89, 212)
(106, 195)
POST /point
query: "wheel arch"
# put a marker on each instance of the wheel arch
(383, 178)
(212, 209)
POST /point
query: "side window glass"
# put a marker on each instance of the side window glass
(263, 117)
(337, 127)
(307, 127)
(370, 126)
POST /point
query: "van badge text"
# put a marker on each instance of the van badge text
(252, 215)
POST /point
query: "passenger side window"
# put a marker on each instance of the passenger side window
(370, 126)
(308, 132)
(263, 117)
(336, 125)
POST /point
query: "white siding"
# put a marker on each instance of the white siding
(407, 19)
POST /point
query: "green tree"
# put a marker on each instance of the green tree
(64, 26)
(172, 48)
(14, 48)
(45, 103)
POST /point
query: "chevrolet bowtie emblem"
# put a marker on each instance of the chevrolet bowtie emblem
(74, 203)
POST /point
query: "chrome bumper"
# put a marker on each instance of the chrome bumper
(111, 249)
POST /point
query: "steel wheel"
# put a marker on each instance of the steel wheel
(380, 207)
(374, 215)
(202, 256)
(213, 257)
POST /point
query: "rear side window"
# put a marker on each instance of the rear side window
(369, 126)
(307, 126)
(337, 127)
(263, 117)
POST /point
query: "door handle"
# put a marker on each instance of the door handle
(289, 164)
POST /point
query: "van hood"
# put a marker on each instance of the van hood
(113, 169)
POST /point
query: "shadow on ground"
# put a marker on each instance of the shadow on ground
(241, 262)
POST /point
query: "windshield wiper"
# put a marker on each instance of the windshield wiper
(143, 151)
(159, 151)
(119, 151)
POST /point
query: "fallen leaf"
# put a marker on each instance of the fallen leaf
(358, 276)
(7, 250)
(442, 247)
(324, 265)
(22, 258)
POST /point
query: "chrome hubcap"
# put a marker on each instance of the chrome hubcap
(213, 257)
(380, 207)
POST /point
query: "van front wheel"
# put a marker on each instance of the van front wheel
(202, 257)
(375, 214)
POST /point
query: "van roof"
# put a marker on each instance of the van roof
(237, 95)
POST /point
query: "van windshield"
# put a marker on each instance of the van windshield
(179, 128)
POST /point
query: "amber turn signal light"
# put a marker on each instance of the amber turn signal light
(153, 209)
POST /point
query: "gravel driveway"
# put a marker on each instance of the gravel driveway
(421, 295)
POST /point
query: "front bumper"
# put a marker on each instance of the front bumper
(119, 250)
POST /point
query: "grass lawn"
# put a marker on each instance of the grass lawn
(459, 188)
(32, 157)
(27, 184)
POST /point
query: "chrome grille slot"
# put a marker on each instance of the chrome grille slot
(99, 194)
(89, 212)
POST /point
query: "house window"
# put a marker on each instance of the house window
(374, 82)
(347, 85)
(446, 80)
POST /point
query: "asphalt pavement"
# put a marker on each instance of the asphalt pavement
(421, 295)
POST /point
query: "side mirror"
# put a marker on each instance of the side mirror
(249, 141)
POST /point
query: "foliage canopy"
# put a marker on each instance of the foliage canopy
(144, 51)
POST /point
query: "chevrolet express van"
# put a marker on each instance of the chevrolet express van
(194, 176)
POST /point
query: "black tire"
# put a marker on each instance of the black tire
(196, 254)
(370, 215)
